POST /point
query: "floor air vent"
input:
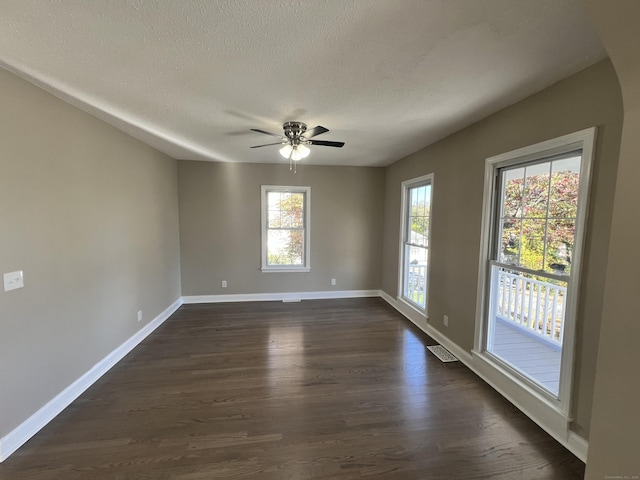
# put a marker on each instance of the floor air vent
(442, 353)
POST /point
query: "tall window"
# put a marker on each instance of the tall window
(285, 228)
(534, 221)
(416, 221)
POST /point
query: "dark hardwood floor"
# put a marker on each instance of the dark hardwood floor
(314, 390)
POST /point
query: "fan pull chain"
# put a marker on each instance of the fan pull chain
(292, 164)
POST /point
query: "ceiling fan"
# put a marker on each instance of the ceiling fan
(295, 139)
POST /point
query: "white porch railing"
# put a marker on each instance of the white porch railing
(415, 284)
(533, 305)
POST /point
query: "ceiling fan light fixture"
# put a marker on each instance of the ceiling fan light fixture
(296, 152)
(286, 151)
(302, 150)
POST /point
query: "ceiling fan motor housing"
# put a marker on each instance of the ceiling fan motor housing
(293, 131)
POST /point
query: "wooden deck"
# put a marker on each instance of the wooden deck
(536, 358)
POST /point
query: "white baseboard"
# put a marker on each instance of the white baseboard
(282, 297)
(546, 417)
(23, 432)
(578, 445)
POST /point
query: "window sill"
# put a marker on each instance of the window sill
(413, 306)
(285, 270)
(513, 384)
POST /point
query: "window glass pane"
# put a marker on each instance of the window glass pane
(273, 200)
(292, 207)
(564, 188)
(415, 288)
(285, 247)
(421, 191)
(532, 244)
(536, 190)
(274, 219)
(296, 209)
(526, 324)
(512, 201)
(285, 220)
(284, 200)
(414, 197)
(560, 238)
(545, 196)
(511, 240)
(419, 231)
(419, 215)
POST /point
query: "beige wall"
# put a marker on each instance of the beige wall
(220, 227)
(91, 217)
(591, 98)
(615, 431)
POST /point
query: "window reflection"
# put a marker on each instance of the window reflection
(286, 357)
(414, 374)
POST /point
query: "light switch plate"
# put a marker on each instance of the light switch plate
(13, 280)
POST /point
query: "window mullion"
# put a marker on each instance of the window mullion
(546, 221)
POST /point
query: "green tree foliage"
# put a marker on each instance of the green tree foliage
(539, 211)
(420, 215)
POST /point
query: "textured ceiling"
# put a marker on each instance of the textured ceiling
(388, 77)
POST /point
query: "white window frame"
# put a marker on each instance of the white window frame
(509, 381)
(306, 267)
(405, 186)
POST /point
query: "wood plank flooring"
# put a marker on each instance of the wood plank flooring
(331, 389)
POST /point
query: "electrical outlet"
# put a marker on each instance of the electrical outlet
(139, 315)
(224, 284)
(333, 281)
(446, 321)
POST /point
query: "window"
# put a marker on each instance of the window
(285, 228)
(534, 223)
(414, 253)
